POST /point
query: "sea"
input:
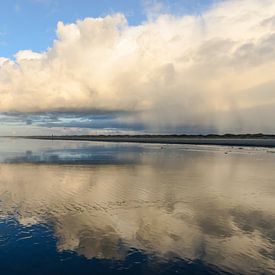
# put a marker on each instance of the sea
(83, 207)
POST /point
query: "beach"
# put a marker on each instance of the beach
(253, 142)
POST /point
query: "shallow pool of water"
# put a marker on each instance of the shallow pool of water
(117, 208)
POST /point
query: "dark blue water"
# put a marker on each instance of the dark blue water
(34, 252)
(102, 208)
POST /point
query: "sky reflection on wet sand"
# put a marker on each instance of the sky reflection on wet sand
(192, 203)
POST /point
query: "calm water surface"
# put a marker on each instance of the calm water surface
(104, 208)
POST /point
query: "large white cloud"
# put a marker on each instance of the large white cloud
(213, 70)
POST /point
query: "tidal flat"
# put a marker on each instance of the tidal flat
(88, 207)
(250, 140)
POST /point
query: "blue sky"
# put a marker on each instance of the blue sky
(31, 24)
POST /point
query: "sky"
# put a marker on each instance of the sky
(31, 24)
(143, 66)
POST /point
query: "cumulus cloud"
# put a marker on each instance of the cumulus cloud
(215, 70)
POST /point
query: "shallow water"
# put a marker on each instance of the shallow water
(103, 208)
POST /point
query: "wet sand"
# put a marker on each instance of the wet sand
(253, 142)
(131, 208)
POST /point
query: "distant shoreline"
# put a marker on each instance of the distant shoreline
(252, 140)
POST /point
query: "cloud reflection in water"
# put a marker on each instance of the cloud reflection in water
(176, 202)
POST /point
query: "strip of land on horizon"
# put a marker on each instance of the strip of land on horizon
(253, 140)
